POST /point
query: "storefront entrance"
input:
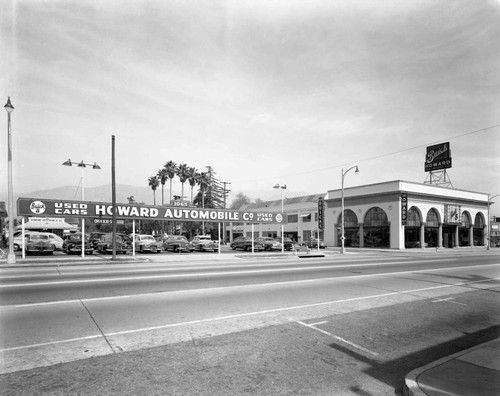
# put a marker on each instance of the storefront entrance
(449, 236)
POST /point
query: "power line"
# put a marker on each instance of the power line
(372, 158)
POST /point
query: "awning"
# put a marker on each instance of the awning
(305, 215)
(48, 224)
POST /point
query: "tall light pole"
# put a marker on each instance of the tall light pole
(282, 211)
(11, 257)
(342, 237)
(82, 165)
(226, 191)
(489, 222)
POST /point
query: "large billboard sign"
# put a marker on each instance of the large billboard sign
(103, 210)
(438, 157)
(321, 213)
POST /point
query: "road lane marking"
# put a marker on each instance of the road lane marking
(210, 274)
(50, 343)
(247, 314)
(341, 279)
(449, 299)
(352, 344)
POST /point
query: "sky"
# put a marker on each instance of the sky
(264, 91)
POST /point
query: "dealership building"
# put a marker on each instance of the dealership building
(395, 215)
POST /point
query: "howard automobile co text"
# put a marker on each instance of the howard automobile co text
(48, 207)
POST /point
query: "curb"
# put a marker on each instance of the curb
(412, 387)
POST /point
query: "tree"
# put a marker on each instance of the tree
(193, 172)
(183, 173)
(163, 177)
(154, 183)
(171, 170)
(240, 200)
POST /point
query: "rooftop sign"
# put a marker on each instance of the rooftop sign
(438, 157)
(71, 209)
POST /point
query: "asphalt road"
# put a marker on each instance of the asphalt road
(337, 325)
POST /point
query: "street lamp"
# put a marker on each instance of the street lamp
(342, 237)
(489, 222)
(277, 186)
(11, 257)
(82, 165)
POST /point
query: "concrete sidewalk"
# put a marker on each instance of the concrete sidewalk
(474, 371)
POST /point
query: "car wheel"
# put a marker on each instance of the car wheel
(234, 248)
(141, 249)
(16, 247)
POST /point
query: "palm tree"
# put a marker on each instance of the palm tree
(171, 170)
(163, 177)
(183, 173)
(193, 172)
(154, 182)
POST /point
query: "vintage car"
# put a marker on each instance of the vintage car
(73, 244)
(95, 237)
(289, 244)
(127, 239)
(204, 243)
(38, 243)
(245, 243)
(105, 244)
(313, 244)
(269, 243)
(177, 243)
(146, 243)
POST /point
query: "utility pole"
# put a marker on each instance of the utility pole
(225, 195)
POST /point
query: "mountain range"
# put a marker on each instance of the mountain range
(139, 194)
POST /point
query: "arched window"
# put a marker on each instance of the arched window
(465, 219)
(376, 217)
(351, 220)
(479, 221)
(413, 219)
(432, 218)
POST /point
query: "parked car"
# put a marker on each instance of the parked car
(95, 237)
(204, 243)
(313, 244)
(105, 244)
(177, 243)
(146, 243)
(55, 239)
(18, 238)
(127, 239)
(245, 243)
(73, 244)
(269, 243)
(38, 243)
(287, 242)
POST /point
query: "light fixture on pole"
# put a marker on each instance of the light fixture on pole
(488, 241)
(342, 237)
(11, 256)
(82, 165)
(278, 186)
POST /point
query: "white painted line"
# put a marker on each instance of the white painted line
(356, 346)
(50, 343)
(319, 323)
(255, 313)
(449, 299)
(210, 274)
(341, 279)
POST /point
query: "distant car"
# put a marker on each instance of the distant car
(177, 243)
(245, 243)
(73, 244)
(313, 244)
(204, 243)
(95, 237)
(269, 243)
(127, 239)
(105, 244)
(39, 244)
(146, 243)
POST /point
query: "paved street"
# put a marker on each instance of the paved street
(352, 324)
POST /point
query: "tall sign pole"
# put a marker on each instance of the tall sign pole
(113, 193)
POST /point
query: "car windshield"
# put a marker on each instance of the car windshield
(147, 238)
